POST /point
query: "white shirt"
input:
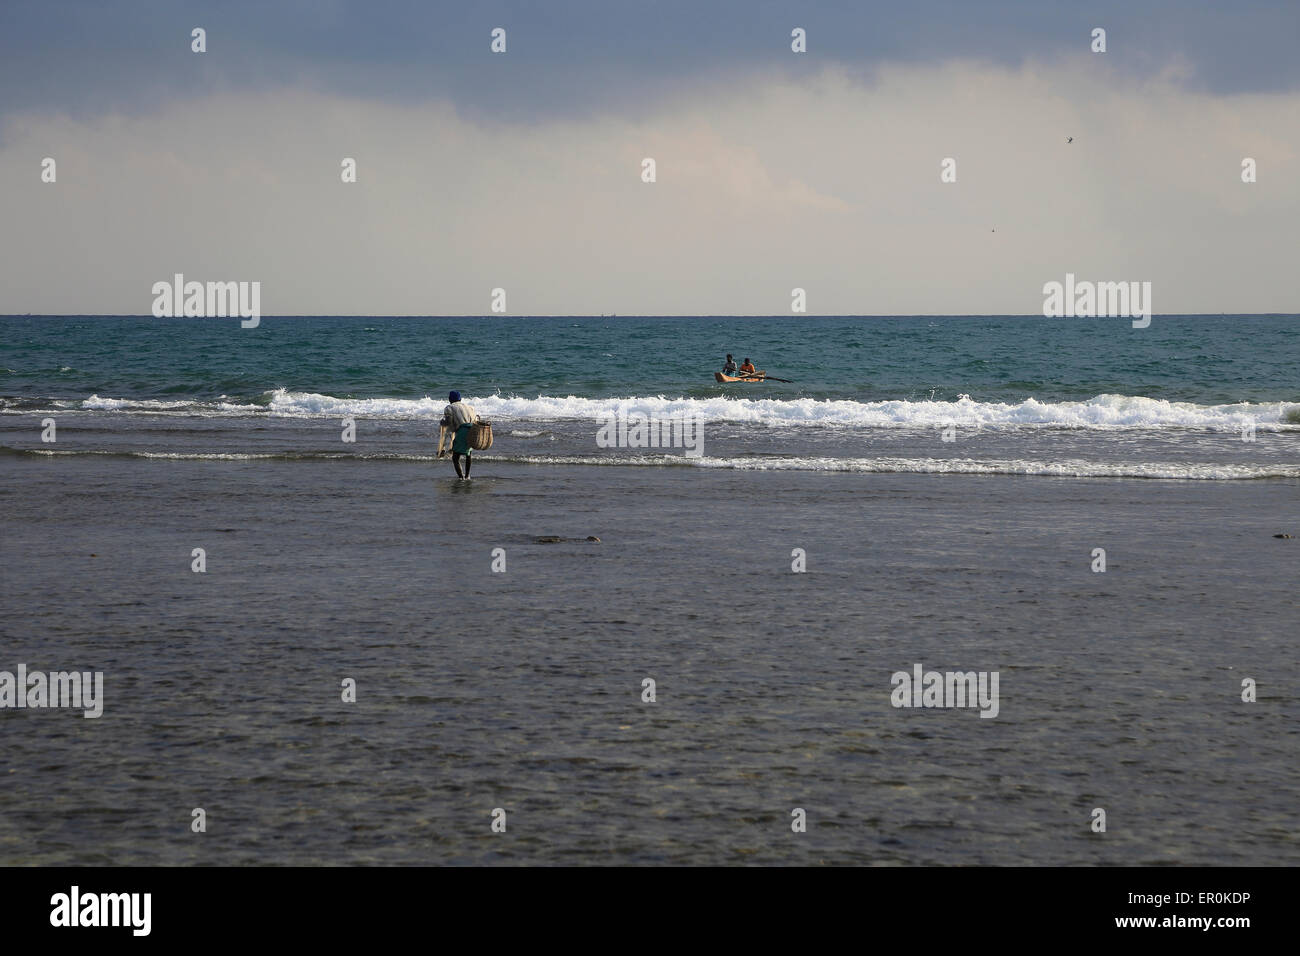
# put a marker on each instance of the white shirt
(458, 413)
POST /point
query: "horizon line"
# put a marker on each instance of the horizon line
(637, 315)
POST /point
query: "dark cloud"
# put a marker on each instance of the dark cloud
(576, 56)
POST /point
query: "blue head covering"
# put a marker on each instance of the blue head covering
(454, 397)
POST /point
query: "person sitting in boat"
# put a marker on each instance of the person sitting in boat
(747, 368)
(459, 416)
(730, 367)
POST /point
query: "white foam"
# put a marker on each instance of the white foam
(1069, 468)
(1099, 412)
(1066, 468)
(1102, 411)
(95, 403)
(121, 404)
(313, 404)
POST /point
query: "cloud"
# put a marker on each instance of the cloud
(829, 182)
(580, 57)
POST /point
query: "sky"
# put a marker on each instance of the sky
(775, 170)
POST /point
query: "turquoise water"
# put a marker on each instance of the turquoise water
(1203, 360)
(1188, 397)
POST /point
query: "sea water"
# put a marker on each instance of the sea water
(929, 493)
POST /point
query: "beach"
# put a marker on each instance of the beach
(523, 689)
(444, 443)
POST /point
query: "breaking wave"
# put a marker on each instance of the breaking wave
(1099, 412)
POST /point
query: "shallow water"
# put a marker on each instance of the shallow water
(522, 689)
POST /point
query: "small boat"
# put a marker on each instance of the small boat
(756, 377)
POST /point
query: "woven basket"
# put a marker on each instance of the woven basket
(480, 435)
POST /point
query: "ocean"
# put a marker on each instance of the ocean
(932, 491)
(1087, 398)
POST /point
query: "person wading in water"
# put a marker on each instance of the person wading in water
(459, 416)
